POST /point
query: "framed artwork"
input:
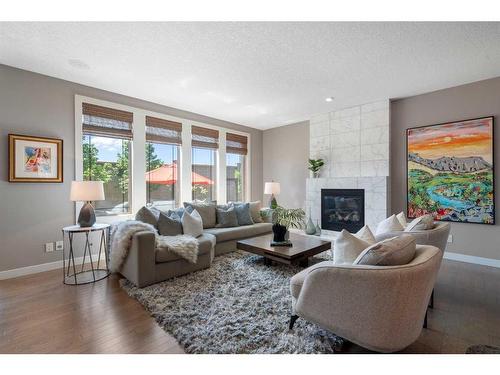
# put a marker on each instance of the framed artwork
(35, 159)
(450, 171)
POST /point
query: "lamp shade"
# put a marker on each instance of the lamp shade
(272, 188)
(87, 191)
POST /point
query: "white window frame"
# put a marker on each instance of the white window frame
(137, 185)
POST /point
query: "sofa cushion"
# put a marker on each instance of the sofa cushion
(206, 243)
(207, 212)
(226, 218)
(169, 224)
(192, 223)
(148, 216)
(394, 251)
(243, 213)
(238, 233)
(297, 280)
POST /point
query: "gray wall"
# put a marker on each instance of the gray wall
(477, 99)
(286, 150)
(34, 213)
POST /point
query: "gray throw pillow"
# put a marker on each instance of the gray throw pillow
(169, 225)
(207, 212)
(226, 218)
(393, 251)
(243, 213)
(148, 216)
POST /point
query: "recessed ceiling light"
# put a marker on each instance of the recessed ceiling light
(79, 64)
(329, 99)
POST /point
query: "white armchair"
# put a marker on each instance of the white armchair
(381, 308)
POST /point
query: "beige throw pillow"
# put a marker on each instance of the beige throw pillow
(347, 247)
(255, 211)
(391, 224)
(424, 222)
(393, 251)
(402, 219)
(366, 234)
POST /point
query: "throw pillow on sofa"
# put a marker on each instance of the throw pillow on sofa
(192, 223)
(366, 234)
(243, 213)
(391, 224)
(255, 211)
(169, 224)
(424, 222)
(207, 212)
(347, 247)
(402, 219)
(148, 216)
(226, 217)
(393, 251)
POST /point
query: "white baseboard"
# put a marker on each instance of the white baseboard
(472, 259)
(17, 272)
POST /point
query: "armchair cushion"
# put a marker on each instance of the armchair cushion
(425, 222)
(347, 247)
(390, 224)
(394, 251)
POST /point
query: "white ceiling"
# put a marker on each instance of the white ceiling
(257, 74)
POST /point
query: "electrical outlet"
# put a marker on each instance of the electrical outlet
(59, 245)
(450, 238)
(49, 247)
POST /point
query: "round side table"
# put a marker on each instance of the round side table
(78, 275)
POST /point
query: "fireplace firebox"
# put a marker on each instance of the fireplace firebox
(342, 209)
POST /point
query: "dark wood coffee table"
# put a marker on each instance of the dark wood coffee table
(303, 248)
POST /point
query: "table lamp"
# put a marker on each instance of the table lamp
(272, 188)
(87, 191)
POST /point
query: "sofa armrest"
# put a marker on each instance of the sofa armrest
(139, 266)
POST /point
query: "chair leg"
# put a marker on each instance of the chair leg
(425, 320)
(293, 319)
(431, 301)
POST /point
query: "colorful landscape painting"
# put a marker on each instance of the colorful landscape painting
(450, 171)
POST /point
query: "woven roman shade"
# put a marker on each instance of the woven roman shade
(236, 144)
(203, 137)
(104, 121)
(163, 131)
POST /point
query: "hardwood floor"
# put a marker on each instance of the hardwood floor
(38, 314)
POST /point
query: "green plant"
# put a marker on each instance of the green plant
(289, 217)
(315, 165)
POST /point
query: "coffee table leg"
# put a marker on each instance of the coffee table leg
(268, 262)
(304, 262)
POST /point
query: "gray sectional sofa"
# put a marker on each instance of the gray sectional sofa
(145, 265)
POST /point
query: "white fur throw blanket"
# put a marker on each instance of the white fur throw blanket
(121, 239)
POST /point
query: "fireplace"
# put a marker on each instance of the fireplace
(342, 209)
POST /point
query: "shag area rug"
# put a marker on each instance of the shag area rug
(238, 305)
(483, 349)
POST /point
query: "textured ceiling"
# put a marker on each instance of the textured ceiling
(257, 74)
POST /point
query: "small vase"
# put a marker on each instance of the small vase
(310, 228)
(318, 229)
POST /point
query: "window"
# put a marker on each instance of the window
(205, 143)
(236, 150)
(106, 144)
(163, 138)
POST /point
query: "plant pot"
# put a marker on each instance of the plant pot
(279, 232)
(316, 174)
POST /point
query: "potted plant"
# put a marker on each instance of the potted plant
(284, 219)
(315, 166)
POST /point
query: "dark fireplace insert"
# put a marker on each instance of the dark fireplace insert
(342, 209)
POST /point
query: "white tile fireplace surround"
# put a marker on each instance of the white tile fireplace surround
(354, 142)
